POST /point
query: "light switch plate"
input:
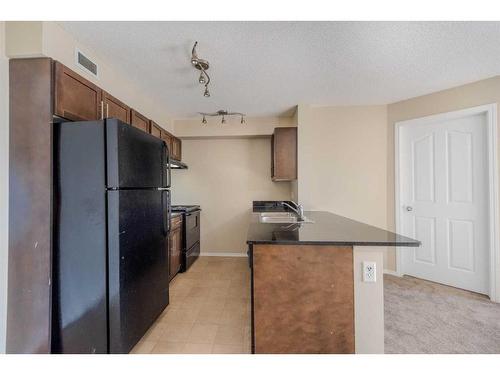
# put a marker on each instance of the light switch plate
(369, 272)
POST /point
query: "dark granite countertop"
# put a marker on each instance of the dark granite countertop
(327, 229)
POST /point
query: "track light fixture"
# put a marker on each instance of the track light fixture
(223, 114)
(202, 66)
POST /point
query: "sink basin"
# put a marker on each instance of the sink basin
(281, 218)
(272, 219)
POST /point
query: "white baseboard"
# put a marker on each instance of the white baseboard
(221, 254)
(391, 272)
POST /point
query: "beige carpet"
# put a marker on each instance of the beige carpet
(425, 317)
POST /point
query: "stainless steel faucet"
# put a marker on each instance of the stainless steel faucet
(298, 209)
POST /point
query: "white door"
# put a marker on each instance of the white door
(444, 195)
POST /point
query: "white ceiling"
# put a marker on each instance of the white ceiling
(266, 68)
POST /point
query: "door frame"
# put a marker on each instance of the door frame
(492, 143)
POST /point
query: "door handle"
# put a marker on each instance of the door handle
(409, 208)
(107, 110)
(102, 110)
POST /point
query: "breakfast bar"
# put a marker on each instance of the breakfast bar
(317, 284)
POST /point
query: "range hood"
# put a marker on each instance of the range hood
(176, 164)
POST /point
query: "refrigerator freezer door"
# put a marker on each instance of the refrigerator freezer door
(138, 264)
(135, 159)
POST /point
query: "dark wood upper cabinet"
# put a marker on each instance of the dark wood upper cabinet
(175, 244)
(174, 144)
(167, 137)
(284, 154)
(139, 121)
(114, 108)
(75, 98)
(155, 130)
(176, 148)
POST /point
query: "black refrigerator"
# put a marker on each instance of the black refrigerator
(110, 241)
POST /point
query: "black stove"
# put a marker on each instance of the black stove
(190, 234)
(180, 208)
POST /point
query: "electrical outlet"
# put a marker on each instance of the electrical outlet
(369, 272)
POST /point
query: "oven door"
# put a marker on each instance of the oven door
(191, 255)
(192, 228)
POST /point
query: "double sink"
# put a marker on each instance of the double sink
(281, 218)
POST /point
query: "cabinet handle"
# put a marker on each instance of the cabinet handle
(107, 110)
(102, 110)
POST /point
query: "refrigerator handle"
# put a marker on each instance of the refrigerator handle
(165, 205)
(168, 166)
(169, 210)
(163, 152)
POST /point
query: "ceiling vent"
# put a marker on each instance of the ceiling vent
(86, 64)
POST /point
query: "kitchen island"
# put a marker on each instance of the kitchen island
(308, 290)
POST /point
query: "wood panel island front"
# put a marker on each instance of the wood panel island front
(307, 288)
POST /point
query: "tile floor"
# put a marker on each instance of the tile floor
(209, 311)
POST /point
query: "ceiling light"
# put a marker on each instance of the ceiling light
(223, 114)
(202, 66)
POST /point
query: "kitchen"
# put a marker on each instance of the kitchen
(229, 263)
(114, 145)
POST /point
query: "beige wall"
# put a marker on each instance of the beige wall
(224, 177)
(368, 302)
(470, 95)
(342, 161)
(25, 39)
(4, 187)
(346, 154)
(254, 126)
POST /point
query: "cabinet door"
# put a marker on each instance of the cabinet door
(176, 148)
(167, 137)
(175, 240)
(114, 108)
(139, 121)
(75, 98)
(284, 154)
(155, 129)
